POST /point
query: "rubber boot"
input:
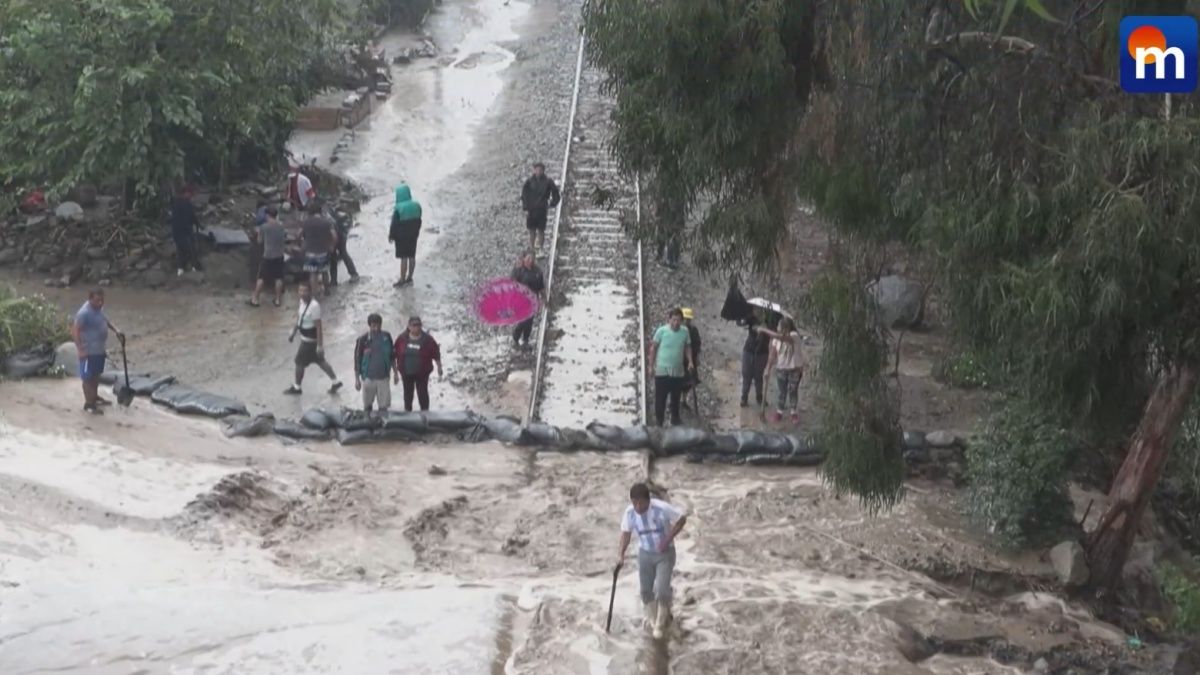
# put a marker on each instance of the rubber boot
(650, 614)
(662, 620)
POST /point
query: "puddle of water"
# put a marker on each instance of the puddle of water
(123, 601)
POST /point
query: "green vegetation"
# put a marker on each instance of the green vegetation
(396, 12)
(28, 322)
(137, 94)
(1184, 595)
(1056, 212)
(1018, 477)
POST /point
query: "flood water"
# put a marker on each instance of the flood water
(144, 542)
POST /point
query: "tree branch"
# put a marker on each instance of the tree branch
(1011, 43)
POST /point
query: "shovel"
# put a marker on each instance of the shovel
(124, 391)
(612, 597)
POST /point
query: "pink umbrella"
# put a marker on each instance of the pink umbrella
(503, 302)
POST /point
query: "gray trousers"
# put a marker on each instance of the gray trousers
(654, 572)
(377, 391)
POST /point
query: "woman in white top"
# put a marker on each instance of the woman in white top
(788, 361)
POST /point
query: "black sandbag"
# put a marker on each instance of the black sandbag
(450, 421)
(395, 435)
(408, 421)
(680, 440)
(259, 425)
(290, 429)
(628, 438)
(357, 420)
(572, 439)
(797, 459)
(543, 435)
(776, 444)
(365, 436)
(188, 401)
(29, 363)
(360, 437)
(724, 444)
(593, 442)
(507, 430)
(476, 434)
(144, 385)
(749, 442)
(317, 419)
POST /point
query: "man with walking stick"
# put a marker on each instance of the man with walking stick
(656, 523)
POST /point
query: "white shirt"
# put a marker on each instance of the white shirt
(653, 525)
(303, 187)
(790, 356)
(307, 320)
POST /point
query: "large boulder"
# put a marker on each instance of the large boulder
(1070, 564)
(9, 256)
(901, 302)
(67, 357)
(70, 211)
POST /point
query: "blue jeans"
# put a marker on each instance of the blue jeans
(789, 387)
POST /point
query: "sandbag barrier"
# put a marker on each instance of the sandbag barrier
(355, 427)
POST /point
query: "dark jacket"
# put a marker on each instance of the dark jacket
(694, 342)
(539, 193)
(430, 352)
(400, 228)
(756, 343)
(183, 217)
(531, 278)
(361, 357)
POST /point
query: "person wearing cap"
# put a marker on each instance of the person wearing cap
(416, 355)
(693, 377)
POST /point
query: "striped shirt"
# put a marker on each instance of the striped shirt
(653, 525)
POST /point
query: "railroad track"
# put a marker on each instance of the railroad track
(590, 363)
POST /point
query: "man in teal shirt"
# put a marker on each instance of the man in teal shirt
(671, 354)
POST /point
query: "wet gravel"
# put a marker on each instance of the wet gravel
(487, 232)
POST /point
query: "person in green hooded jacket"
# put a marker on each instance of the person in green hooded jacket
(406, 227)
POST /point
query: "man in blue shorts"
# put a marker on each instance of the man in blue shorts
(90, 331)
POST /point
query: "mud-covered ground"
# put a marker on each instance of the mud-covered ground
(462, 130)
(145, 542)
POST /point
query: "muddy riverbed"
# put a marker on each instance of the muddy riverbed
(141, 541)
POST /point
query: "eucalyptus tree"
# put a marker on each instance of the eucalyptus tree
(1058, 212)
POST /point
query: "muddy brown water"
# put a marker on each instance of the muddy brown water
(142, 541)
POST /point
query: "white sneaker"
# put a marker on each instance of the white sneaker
(179, 272)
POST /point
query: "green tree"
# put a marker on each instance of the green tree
(140, 93)
(1058, 212)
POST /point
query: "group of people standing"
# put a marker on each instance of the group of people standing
(379, 360)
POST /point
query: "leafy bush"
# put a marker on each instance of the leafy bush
(1018, 475)
(1184, 596)
(27, 322)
